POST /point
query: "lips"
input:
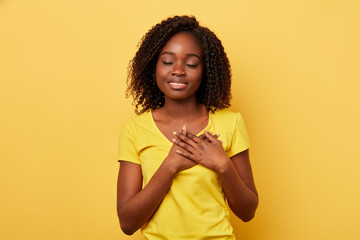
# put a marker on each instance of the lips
(177, 85)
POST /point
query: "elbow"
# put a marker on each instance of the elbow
(128, 230)
(247, 217)
(246, 213)
(125, 225)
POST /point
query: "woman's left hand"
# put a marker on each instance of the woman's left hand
(208, 151)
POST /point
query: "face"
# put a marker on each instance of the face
(179, 67)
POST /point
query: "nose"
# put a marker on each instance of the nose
(178, 70)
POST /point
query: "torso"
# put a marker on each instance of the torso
(197, 189)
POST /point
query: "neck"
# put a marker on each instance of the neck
(183, 110)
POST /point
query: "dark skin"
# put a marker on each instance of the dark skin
(179, 72)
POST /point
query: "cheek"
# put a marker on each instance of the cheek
(198, 75)
(160, 75)
(160, 72)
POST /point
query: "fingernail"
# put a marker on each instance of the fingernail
(174, 132)
(221, 141)
(184, 128)
(173, 139)
(210, 132)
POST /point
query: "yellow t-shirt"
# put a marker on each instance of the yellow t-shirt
(194, 207)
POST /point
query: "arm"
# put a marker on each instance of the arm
(239, 187)
(235, 174)
(135, 206)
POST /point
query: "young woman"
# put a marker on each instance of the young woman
(184, 154)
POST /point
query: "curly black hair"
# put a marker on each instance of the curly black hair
(215, 88)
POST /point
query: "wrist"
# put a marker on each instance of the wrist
(169, 168)
(225, 166)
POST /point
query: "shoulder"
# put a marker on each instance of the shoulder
(227, 121)
(133, 130)
(226, 116)
(138, 121)
(232, 130)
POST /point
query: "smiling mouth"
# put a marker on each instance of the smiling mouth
(177, 85)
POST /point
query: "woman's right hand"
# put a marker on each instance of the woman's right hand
(176, 162)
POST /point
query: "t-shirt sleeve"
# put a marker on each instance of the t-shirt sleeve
(240, 140)
(127, 145)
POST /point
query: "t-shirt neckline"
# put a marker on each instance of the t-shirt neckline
(164, 137)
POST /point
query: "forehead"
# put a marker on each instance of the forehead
(183, 42)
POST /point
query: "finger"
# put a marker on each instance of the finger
(184, 129)
(183, 145)
(210, 136)
(217, 135)
(203, 137)
(187, 155)
(184, 154)
(194, 137)
(185, 139)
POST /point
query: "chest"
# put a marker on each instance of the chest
(154, 148)
(193, 126)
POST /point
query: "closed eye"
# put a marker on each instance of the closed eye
(167, 63)
(192, 65)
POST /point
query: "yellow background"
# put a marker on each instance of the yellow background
(296, 81)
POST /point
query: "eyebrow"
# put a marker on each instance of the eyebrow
(188, 55)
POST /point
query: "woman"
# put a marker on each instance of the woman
(175, 174)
